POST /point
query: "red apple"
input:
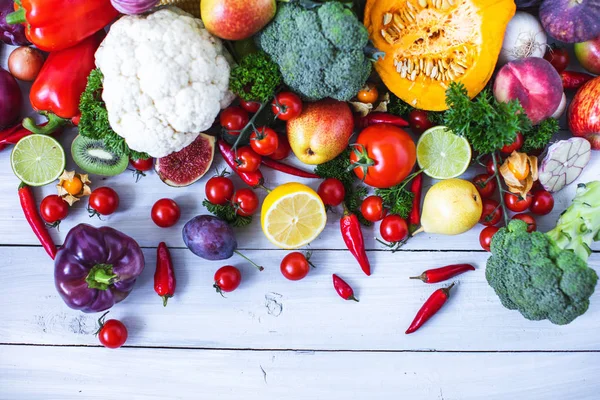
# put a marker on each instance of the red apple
(584, 113)
(236, 19)
(588, 55)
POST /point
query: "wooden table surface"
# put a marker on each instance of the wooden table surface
(273, 338)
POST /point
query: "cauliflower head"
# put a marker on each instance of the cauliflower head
(165, 80)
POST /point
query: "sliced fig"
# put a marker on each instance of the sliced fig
(186, 166)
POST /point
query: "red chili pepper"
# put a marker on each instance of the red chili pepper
(32, 216)
(58, 88)
(442, 274)
(414, 218)
(380, 118)
(343, 289)
(17, 134)
(432, 305)
(54, 25)
(353, 237)
(253, 179)
(164, 277)
(288, 169)
(574, 80)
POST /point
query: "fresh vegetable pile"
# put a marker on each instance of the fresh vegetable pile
(372, 97)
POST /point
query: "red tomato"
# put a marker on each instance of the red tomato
(112, 333)
(372, 209)
(516, 203)
(484, 185)
(368, 95)
(54, 209)
(245, 201)
(419, 121)
(558, 57)
(542, 202)
(516, 145)
(393, 229)
(489, 167)
(486, 235)
(165, 213)
(219, 189)
(283, 149)
(387, 154)
(104, 201)
(491, 214)
(142, 165)
(528, 219)
(227, 279)
(295, 266)
(286, 106)
(234, 119)
(247, 160)
(332, 192)
(264, 141)
(250, 106)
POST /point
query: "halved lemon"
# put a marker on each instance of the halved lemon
(292, 216)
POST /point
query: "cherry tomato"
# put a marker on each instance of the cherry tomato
(528, 219)
(247, 160)
(250, 106)
(112, 333)
(387, 153)
(234, 119)
(104, 201)
(419, 121)
(372, 209)
(73, 186)
(245, 201)
(286, 106)
(295, 266)
(142, 165)
(486, 235)
(264, 141)
(516, 203)
(165, 213)
(514, 146)
(227, 279)
(393, 229)
(518, 173)
(332, 192)
(542, 202)
(368, 95)
(558, 57)
(54, 209)
(491, 214)
(484, 185)
(219, 189)
(283, 149)
(489, 167)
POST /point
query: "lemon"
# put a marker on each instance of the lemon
(292, 215)
(442, 154)
(38, 160)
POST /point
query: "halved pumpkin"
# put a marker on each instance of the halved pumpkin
(430, 43)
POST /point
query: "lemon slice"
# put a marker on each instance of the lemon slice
(442, 154)
(292, 216)
(38, 160)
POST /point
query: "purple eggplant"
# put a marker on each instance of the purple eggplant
(11, 99)
(11, 34)
(96, 267)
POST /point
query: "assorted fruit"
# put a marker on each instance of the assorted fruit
(161, 90)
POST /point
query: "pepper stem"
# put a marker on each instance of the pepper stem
(422, 277)
(447, 290)
(249, 260)
(54, 123)
(165, 298)
(101, 276)
(16, 17)
(352, 298)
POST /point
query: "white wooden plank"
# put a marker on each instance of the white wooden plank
(269, 312)
(129, 373)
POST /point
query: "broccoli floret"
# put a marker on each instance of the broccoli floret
(256, 78)
(320, 51)
(531, 274)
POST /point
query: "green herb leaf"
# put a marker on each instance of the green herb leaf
(256, 78)
(540, 135)
(400, 108)
(397, 199)
(227, 213)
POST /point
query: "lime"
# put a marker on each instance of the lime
(38, 160)
(442, 154)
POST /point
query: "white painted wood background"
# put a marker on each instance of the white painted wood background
(273, 338)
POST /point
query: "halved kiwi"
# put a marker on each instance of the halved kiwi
(93, 157)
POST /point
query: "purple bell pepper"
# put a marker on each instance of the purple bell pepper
(96, 267)
(11, 34)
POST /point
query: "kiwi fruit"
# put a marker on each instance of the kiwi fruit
(92, 156)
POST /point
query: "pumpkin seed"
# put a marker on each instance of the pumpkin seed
(387, 18)
(423, 3)
(413, 76)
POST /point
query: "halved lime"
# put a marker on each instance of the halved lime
(38, 160)
(442, 154)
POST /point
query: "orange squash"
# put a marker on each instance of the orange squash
(430, 43)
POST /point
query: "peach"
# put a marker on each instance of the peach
(534, 82)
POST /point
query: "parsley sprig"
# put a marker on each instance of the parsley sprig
(540, 135)
(227, 213)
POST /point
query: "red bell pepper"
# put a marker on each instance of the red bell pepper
(58, 88)
(54, 25)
